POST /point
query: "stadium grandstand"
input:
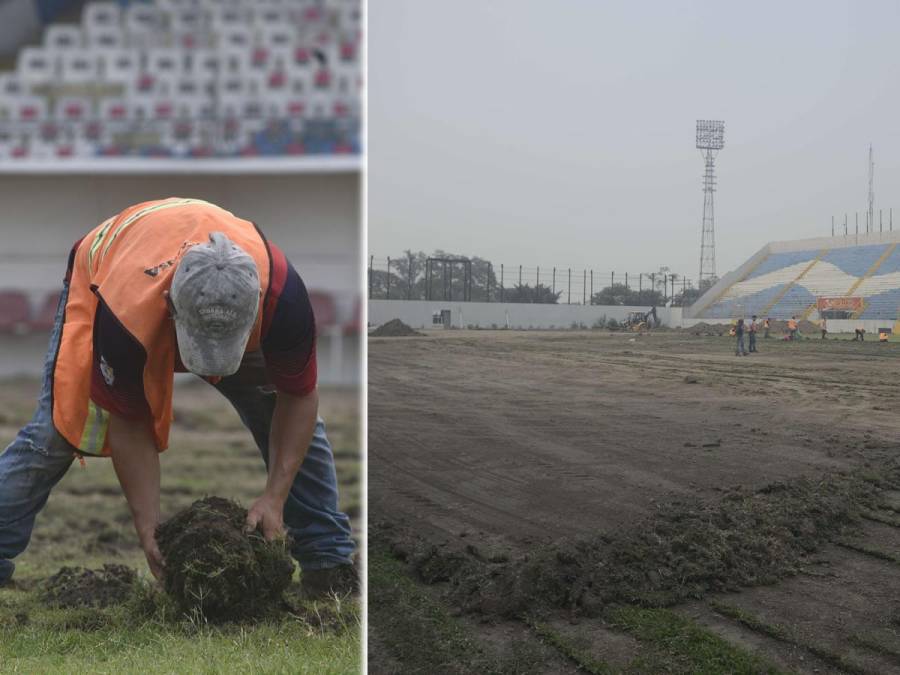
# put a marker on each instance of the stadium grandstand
(845, 278)
(183, 79)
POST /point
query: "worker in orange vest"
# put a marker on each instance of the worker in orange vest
(792, 328)
(181, 285)
(766, 328)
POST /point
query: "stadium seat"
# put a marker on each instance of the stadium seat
(43, 319)
(73, 108)
(36, 66)
(119, 66)
(14, 312)
(144, 25)
(100, 15)
(355, 325)
(63, 36)
(79, 67)
(324, 309)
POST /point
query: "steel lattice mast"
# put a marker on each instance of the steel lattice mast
(710, 139)
(870, 219)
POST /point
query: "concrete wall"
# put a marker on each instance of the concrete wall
(418, 314)
(314, 218)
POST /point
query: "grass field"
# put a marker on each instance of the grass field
(86, 523)
(584, 501)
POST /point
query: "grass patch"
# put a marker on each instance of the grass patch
(569, 649)
(680, 645)
(782, 634)
(876, 517)
(870, 551)
(876, 646)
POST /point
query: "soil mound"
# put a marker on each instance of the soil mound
(703, 328)
(394, 328)
(214, 567)
(686, 550)
(78, 587)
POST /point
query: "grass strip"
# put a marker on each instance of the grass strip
(870, 551)
(688, 647)
(878, 518)
(414, 628)
(875, 646)
(570, 650)
(780, 633)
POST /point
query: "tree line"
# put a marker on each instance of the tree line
(406, 278)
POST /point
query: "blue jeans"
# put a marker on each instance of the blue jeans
(740, 345)
(752, 342)
(39, 457)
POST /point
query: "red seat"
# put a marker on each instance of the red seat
(324, 309)
(354, 326)
(46, 315)
(14, 312)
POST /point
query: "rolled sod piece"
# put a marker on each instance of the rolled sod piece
(214, 567)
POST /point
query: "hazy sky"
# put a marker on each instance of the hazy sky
(561, 132)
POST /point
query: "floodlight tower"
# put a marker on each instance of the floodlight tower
(710, 139)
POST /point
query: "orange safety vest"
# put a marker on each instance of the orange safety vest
(792, 325)
(127, 263)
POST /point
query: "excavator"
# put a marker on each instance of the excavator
(641, 321)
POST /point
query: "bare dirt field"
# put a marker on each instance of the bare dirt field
(586, 501)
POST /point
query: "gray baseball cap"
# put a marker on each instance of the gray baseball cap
(215, 297)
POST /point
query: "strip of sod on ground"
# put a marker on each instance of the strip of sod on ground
(778, 632)
(680, 645)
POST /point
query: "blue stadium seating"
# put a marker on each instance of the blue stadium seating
(856, 260)
(776, 261)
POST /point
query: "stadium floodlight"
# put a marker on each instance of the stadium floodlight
(710, 139)
(710, 134)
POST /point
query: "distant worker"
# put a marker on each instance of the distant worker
(754, 326)
(859, 335)
(181, 285)
(824, 327)
(739, 332)
(766, 328)
(883, 336)
(792, 328)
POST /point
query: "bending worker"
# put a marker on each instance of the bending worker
(169, 286)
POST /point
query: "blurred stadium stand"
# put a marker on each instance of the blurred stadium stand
(182, 79)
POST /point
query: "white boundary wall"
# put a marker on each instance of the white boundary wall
(418, 314)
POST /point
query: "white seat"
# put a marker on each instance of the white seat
(227, 16)
(105, 37)
(36, 66)
(63, 36)
(191, 18)
(144, 25)
(10, 85)
(78, 67)
(163, 62)
(28, 108)
(236, 37)
(97, 14)
(119, 66)
(73, 108)
(203, 64)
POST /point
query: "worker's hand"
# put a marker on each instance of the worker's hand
(267, 514)
(154, 557)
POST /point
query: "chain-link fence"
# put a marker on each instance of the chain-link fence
(441, 277)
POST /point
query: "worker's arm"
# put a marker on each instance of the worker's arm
(136, 462)
(293, 425)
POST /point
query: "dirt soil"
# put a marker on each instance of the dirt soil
(567, 471)
(213, 566)
(78, 587)
(394, 328)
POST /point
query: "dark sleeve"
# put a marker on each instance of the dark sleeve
(289, 330)
(117, 378)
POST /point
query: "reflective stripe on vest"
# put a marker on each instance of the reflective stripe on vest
(128, 261)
